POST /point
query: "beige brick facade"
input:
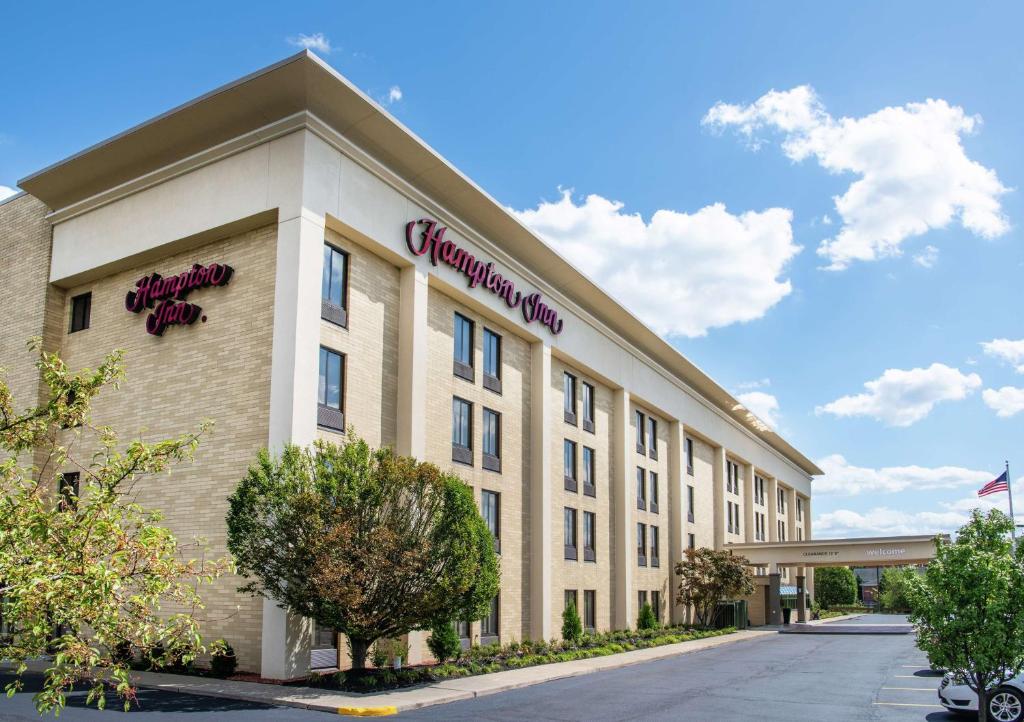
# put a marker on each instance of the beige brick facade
(265, 202)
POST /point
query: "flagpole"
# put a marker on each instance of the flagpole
(1009, 491)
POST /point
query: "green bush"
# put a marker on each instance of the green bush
(223, 661)
(444, 642)
(572, 627)
(646, 619)
(834, 586)
(894, 588)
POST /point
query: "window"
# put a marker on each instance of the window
(732, 477)
(68, 489)
(640, 448)
(689, 503)
(652, 437)
(81, 310)
(641, 488)
(799, 509)
(489, 624)
(490, 509)
(569, 398)
(728, 515)
(654, 491)
(691, 541)
(589, 536)
(590, 609)
(736, 511)
(463, 629)
(569, 461)
(655, 547)
(330, 391)
(641, 600)
(463, 366)
(571, 598)
(689, 456)
(641, 544)
(462, 431)
(782, 531)
(759, 490)
(569, 533)
(334, 286)
(782, 501)
(589, 475)
(656, 604)
(588, 407)
(492, 361)
(800, 533)
(492, 440)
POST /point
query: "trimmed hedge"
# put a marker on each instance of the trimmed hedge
(516, 655)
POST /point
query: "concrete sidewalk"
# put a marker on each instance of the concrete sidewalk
(451, 690)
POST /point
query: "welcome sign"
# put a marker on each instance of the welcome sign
(431, 240)
(166, 296)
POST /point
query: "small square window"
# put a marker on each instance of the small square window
(81, 310)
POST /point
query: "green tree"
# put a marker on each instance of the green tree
(646, 619)
(444, 642)
(84, 574)
(707, 576)
(834, 586)
(365, 542)
(894, 588)
(967, 606)
(572, 627)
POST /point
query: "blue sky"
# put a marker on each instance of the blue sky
(703, 146)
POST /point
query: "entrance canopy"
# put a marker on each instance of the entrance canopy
(863, 552)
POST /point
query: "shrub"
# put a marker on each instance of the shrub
(444, 642)
(834, 586)
(646, 619)
(379, 657)
(572, 627)
(122, 652)
(223, 661)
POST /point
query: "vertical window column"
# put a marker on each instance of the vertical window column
(331, 390)
(334, 286)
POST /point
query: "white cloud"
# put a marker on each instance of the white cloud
(1012, 352)
(900, 397)
(914, 175)
(316, 41)
(1006, 402)
(7, 192)
(394, 94)
(755, 384)
(826, 220)
(763, 406)
(928, 257)
(843, 478)
(883, 521)
(668, 271)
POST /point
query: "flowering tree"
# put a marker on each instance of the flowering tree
(967, 606)
(84, 572)
(365, 542)
(707, 577)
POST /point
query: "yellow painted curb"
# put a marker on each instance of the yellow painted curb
(368, 711)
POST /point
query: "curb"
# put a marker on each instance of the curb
(386, 711)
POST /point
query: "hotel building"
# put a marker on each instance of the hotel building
(283, 257)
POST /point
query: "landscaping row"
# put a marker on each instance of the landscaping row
(489, 658)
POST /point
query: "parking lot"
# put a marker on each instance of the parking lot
(781, 677)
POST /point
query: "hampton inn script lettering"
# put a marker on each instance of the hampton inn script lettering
(431, 241)
(166, 296)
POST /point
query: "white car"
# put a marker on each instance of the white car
(1005, 703)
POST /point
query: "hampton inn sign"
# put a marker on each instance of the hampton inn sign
(431, 241)
(168, 295)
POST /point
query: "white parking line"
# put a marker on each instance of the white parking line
(907, 704)
(912, 689)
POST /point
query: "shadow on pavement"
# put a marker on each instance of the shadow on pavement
(149, 700)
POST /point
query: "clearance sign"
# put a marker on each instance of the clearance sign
(431, 240)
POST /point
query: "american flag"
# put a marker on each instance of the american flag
(995, 486)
